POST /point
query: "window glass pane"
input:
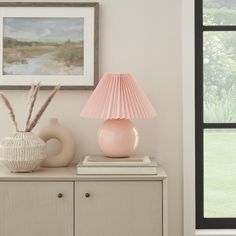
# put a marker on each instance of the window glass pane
(219, 12)
(219, 52)
(220, 173)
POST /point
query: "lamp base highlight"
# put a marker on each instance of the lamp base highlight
(117, 138)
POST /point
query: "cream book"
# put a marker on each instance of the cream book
(114, 170)
(100, 165)
(138, 160)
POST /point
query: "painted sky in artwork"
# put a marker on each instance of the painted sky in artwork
(44, 29)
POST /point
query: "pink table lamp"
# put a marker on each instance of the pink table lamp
(118, 98)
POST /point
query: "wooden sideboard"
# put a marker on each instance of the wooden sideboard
(57, 202)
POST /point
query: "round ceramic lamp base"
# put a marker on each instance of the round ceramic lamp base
(117, 138)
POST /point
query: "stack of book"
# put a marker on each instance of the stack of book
(100, 165)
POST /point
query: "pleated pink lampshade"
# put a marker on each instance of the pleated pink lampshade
(118, 96)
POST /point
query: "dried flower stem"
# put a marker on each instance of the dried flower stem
(31, 101)
(10, 109)
(34, 122)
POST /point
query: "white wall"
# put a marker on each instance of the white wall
(188, 117)
(143, 38)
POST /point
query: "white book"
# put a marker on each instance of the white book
(137, 160)
(117, 170)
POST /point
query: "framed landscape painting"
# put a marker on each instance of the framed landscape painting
(50, 43)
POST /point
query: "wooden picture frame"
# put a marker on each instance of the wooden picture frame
(49, 42)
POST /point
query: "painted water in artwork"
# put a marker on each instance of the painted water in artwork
(43, 46)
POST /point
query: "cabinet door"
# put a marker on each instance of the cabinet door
(36, 209)
(118, 208)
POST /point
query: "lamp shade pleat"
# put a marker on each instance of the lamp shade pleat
(118, 96)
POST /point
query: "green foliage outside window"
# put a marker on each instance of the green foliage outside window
(219, 63)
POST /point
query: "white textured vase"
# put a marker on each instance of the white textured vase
(22, 152)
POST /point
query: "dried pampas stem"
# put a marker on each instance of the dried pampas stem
(11, 112)
(34, 122)
(31, 101)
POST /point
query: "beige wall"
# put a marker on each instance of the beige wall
(143, 38)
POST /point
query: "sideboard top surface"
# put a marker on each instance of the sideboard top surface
(69, 174)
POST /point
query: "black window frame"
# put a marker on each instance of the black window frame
(200, 28)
